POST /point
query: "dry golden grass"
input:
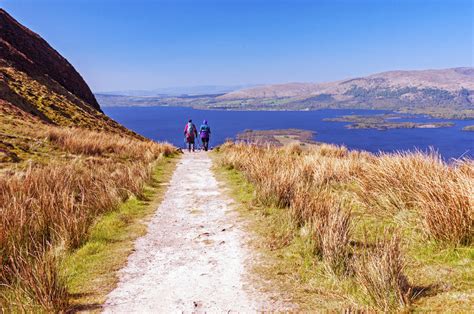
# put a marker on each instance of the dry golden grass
(320, 187)
(37, 284)
(332, 231)
(99, 144)
(48, 209)
(442, 194)
(380, 273)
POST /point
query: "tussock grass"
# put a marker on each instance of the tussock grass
(47, 210)
(95, 143)
(38, 284)
(334, 192)
(333, 231)
(442, 194)
(380, 273)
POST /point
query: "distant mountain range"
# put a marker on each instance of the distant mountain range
(447, 93)
(407, 83)
(180, 91)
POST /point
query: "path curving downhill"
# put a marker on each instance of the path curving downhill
(194, 256)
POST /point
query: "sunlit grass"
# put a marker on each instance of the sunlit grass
(399, 227)
(46, 210)
(91, 270)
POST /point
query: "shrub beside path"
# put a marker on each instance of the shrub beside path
(194, 256)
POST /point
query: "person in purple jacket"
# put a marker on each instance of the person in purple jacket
(205, 132)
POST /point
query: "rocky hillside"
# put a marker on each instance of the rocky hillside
(413, 91)
(40, 87)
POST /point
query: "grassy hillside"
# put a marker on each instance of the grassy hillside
(39, 87)
(50, 102)
(22, 133)
(48, 207)
(349, 229)
(449, 80)
(27, 52)
(64, 165)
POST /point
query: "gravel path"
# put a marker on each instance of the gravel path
(194, 257)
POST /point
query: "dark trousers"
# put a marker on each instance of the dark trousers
(190, 143)
(205, 143)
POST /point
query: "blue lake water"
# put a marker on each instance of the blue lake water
(167, 124)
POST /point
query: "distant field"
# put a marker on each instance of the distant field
(447, 111)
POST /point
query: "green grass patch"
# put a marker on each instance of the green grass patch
(91, 271)
(442, 275)
(446, 272)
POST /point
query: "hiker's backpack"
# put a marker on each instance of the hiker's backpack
(190, 130)
(205, 131)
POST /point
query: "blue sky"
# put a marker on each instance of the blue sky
(145, 44)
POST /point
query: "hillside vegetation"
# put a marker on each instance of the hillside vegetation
(37, 87)
(63, 166)
(46, 210)
(353, 229)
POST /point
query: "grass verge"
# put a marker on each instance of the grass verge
(422, 271)
(288, 262)
(91, 271)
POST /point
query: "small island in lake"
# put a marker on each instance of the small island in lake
(381, 122)
(277, 137)
(469, 128)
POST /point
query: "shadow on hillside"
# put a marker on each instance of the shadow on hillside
(84, 307)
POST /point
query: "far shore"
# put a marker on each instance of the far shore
(385, 122)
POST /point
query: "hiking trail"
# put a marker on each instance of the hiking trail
(194, 256)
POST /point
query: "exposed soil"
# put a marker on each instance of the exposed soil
(195, 255)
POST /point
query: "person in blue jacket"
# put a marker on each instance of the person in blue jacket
(205, 133)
